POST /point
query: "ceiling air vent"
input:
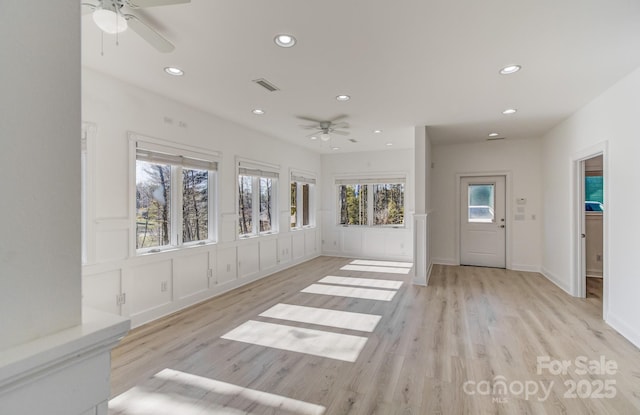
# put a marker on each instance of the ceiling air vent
(266, 85)
(495, 138)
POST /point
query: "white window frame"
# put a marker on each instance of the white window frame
(182, 157)
(301, 178)
(257, 170)
(369, 181)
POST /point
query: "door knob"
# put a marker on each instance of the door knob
(582, 235)
(502, 226)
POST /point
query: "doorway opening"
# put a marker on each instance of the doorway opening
(590, 218)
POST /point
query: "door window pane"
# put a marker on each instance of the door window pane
(481, 203)
(195, 205)
(153, 204)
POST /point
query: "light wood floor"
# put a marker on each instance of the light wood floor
(435, 350)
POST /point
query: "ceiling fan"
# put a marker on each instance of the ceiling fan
(109, 16)
(326, 127)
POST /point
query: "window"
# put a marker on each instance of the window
(266, 203)
(256, 201)
(195, 205)
(388, 204)
(245, 204)
(83, 195)
(593, 192)
(173, 204)
(302, 201)
(86, 192)
(153, 204)
(371, 202)
(354, 204)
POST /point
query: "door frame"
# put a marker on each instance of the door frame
(578, 254)
(507, 210)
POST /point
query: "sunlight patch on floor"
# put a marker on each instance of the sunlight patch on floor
(323, 317)
(138, 401)
(352, 292)
(373, 268)
(396, 264)
(315, 342)
(362, 282)
(175, 400)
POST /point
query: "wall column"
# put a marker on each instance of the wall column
(53, 359)
(422, 191)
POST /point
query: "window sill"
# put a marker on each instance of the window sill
(304, 228)
(253, 236)
(400, 227)
(166, 249)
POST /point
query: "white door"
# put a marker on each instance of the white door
(482, 221)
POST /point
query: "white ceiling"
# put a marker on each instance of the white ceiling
(404, 63)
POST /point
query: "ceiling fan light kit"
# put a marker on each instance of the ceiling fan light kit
(109, 20)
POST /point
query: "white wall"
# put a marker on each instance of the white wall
(158, 284)
(39, 165)
(519, 158)
(611, 118)
(362, 241)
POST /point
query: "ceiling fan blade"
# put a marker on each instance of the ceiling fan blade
(340, 132)
(339, 117)
(309, 127)
(317, 134)
(301, 117)
(340, 125)
(87, 8)
(154, 38)
(139, 4)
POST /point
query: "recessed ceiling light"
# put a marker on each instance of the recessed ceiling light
(509, 111)
(314, 137)
(510, 69)
(172, 70)
(377, 131)
(493, 134)
(284, 40)
(335, 148)
(343, 97)
(389, 144)
(258, 111)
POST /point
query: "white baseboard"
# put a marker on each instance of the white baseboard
(623, 328)
(525, 268)
(429, 272)
(341, 254)
(441, 261)
(549, 275)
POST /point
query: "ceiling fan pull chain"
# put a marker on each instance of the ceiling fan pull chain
(117, 32)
